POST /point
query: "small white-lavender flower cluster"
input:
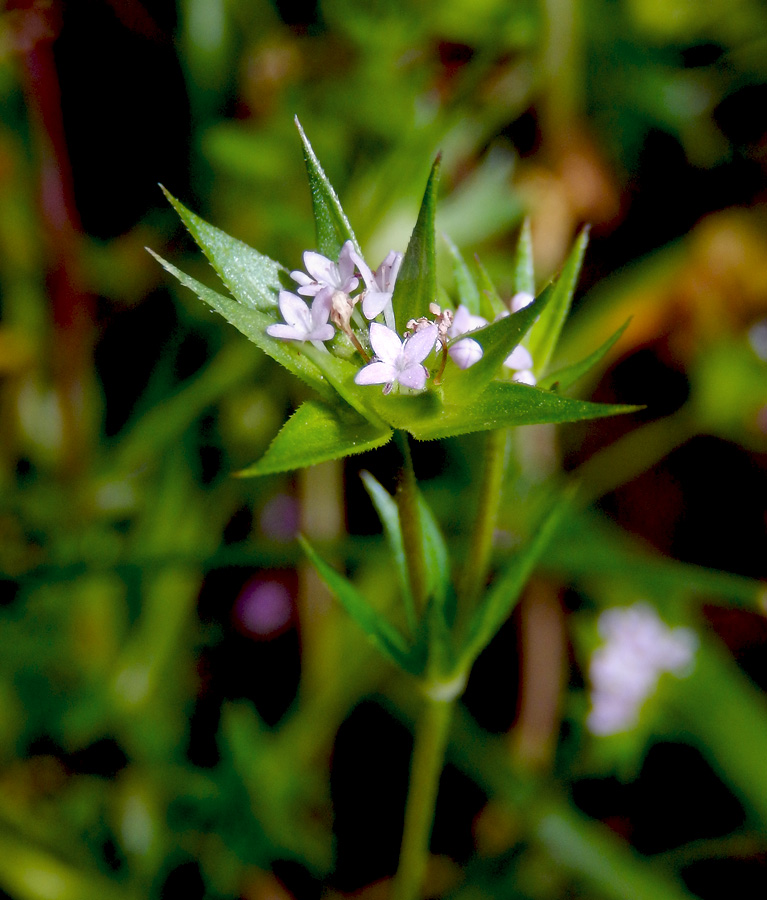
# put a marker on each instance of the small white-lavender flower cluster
(396, 361)
(624, 671)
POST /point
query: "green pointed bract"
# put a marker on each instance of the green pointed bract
(465, 285)
(567, 376)
(253, 324)
(543, 337)
(316, 433)
(252, 278)
(500, 405)
(435, 555)
(332, 226)
(490, 304)
(524, 271)
(507, 587)
(439, 611)
(416, 285)
(380, 631)
(462, 386)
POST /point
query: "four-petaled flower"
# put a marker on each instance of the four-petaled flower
(379, 284)
(331, 284)
(325, 274)
(396, 361)
(303, 324)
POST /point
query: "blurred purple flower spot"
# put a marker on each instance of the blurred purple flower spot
(279, 518)
(263, 608)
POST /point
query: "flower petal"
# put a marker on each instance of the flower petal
(294, 310)
(464, 321)
(419, 345)
(364, 268)
(376, 373)
(320, 267)
(385, 343)
(286, 332)
(346, 263)
(374, 303)
(413, 377)
(524, 376)
(519, 358)
(321, 333)
(465, 353)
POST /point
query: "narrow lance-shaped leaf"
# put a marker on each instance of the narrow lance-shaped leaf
(380, 631)
(316, 433)
(435, 553)
(543, 337)
(416, 285)
(524, 272)
(501, 404)
(388, 513)
(252, 278)
(502, 597)
(253, 324)
(332, 226)
(490, 304)
(439, 613)
(567, 376)
(465, 285)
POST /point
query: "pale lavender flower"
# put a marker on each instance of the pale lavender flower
(624, 671)
(396, 361)
(466, 352)
(324, 273)
(302, 323)
(379, 284)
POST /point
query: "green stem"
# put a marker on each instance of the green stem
(410, 523)
(425, 768)
(488, 503)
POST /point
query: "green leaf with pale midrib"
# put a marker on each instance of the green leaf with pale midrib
(253, 324)
(567, 376)
(507, 587)
(332, 226)
(502, 404)
(316, 433)
(465, 285)
(416, 285)
(544, 335)
(491, 305)
(524, 273)
(383, 634)
(252, 278)
(388, 513)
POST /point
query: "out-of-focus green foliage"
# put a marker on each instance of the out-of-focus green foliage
(142, 751)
